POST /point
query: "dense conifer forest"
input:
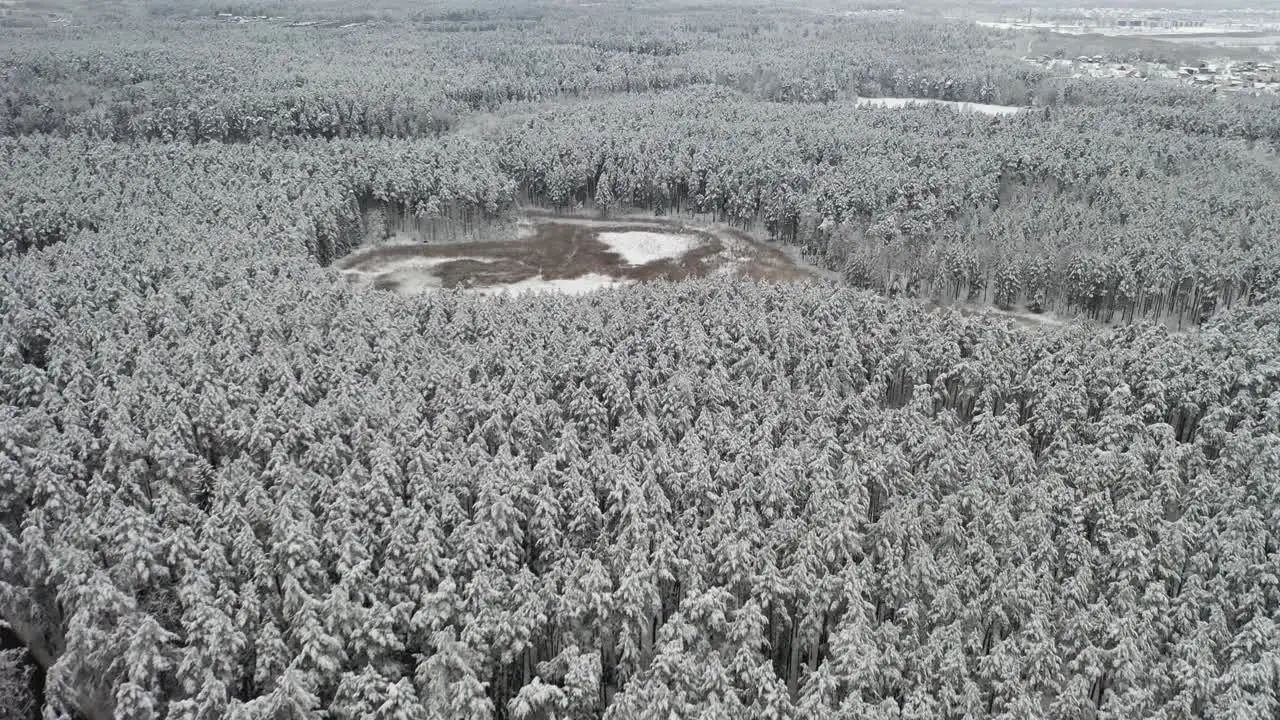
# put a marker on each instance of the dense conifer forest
(234, 486)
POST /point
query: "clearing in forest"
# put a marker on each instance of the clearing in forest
(573, 255)
(982, 108)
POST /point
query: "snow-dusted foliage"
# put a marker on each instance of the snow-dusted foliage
(17, 702)
(233, 485)
(265, 492)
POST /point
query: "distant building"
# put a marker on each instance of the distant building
(1155, 22)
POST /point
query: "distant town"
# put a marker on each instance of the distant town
(1119, 21)
(1247, 76)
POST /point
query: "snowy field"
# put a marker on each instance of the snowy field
(983, 108)
(638, 247)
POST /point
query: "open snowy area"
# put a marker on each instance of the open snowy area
(640, 247)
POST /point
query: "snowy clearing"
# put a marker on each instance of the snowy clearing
(983, 108)
(572, 256)
(637, 247)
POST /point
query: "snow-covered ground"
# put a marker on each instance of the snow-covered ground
(409, 275)
(413, 281)
(417, 279)
(566, 286)
(960, 106)
(736, 253)
(525, 229)
(637, 247)
(408, 263)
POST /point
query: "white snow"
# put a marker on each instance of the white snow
(567, 286)
(736, 254)
(525, 229)
(410, 275)
(983, 108)
(637, 247)
(409, 263)
(414, 282)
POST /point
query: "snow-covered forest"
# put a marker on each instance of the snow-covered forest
(233, 485)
